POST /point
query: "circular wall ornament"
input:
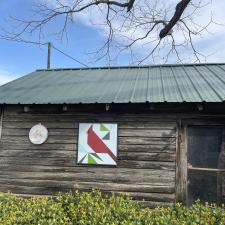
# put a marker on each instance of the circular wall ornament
(38, 134)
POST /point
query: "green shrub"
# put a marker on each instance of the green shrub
(91, 208)
(16, 210)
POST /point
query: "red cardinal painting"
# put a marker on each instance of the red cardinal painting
(95, 142)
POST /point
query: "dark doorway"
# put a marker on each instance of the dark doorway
(206, 164)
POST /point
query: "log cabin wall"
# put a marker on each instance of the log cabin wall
(146, 156)
(152, 151)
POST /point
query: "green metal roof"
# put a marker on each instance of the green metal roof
(158, 83)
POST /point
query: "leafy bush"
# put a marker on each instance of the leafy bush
(91, 208)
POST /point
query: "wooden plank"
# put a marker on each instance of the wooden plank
(105, 186)
(73, 140)
(157, 147)
(163, 197)
(74, 124)
(146, 141)
(157, 185)
(98, 174)
(16, 132)
(63, 167)
(49, 125)
(16, 189)
(65, 117)
(37, 154)
(150, 188)
(1, 120)
(59, 146)
(149, 154)
(29, 146)
(51, 139)
(11, 167)
(18, 165)
(14, 112)
(160, 165)
(80, 179)
(205, 169)
(181, 164)
(108, 171)
(65, 162)
(50, 155)
(148, 132)
(162, 156)
(11, 115)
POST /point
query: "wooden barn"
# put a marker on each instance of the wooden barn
(156, 132)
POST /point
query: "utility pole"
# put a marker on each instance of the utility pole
(49, 55)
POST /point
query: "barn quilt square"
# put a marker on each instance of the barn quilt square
(97, 144)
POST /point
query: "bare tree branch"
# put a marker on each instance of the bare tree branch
(181, 6)
(130, 5)
(146, 30)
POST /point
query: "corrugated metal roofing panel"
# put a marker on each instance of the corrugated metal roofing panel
(185, 85)
(170, 87)
(202, 84)
(155, 88)
(141, 86)
(159, 83)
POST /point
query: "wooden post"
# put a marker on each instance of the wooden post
(1, 120)
(49, 56)
(181, 163)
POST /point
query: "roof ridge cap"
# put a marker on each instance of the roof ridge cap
(129, 67)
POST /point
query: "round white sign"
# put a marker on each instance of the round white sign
(38, 134)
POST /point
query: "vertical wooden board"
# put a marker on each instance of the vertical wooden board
(1, 120)
(181, 163)
(221, 175)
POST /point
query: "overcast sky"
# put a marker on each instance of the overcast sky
(17, 59)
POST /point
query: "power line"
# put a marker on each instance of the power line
(45, 43)
(65, 54)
